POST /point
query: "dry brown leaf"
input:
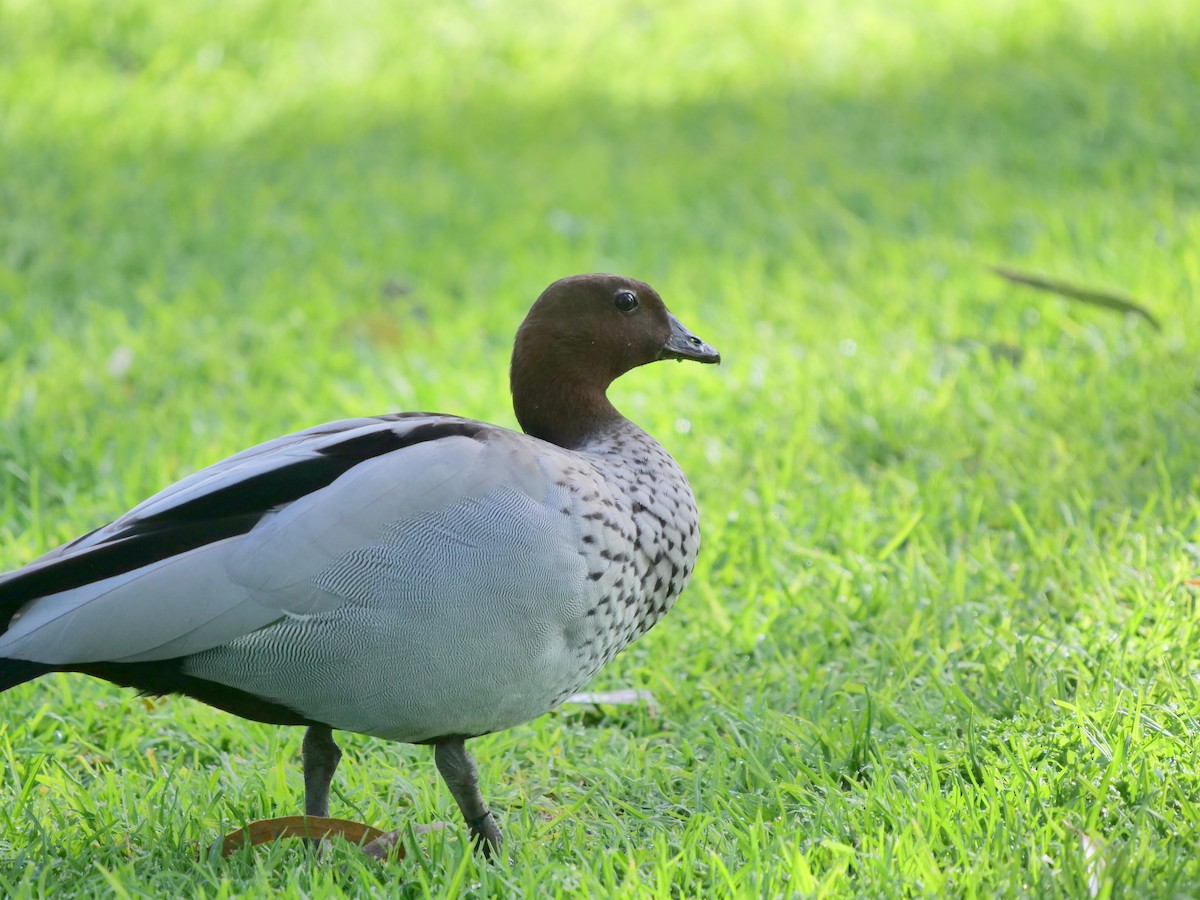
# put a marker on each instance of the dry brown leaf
(382, 846)
(267, 830)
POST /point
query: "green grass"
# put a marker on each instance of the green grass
(942, 638)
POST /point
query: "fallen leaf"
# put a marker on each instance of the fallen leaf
(1096, 864)
(382, 846)
(1093, 858)
(267, 830)
(1105, 299)
(627, 697)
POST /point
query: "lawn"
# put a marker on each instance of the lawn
(942, 639)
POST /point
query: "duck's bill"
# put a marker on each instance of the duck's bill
(682, 344)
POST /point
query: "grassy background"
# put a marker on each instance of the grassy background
(942, 638)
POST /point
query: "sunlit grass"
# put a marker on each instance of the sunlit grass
(942, 636)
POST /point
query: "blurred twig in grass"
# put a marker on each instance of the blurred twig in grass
(1103, 299)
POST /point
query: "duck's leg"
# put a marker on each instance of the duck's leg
(321, 757)
(459, 772)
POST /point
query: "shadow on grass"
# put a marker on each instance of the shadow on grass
(996, 159)
(980, 153)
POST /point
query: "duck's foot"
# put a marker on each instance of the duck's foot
(459, 772)
(487, 840)
(486, 835)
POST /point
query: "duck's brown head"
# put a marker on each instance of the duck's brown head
(581, 334)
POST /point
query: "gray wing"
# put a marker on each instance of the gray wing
(238, 546)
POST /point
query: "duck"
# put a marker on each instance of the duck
(415, 577)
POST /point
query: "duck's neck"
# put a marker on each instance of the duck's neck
(563, 411)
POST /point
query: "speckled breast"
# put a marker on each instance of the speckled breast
(640, 535)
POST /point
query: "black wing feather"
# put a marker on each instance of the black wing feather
(213, 516)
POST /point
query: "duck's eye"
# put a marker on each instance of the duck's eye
(626, 300)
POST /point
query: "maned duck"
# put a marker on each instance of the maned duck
(417, 577)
